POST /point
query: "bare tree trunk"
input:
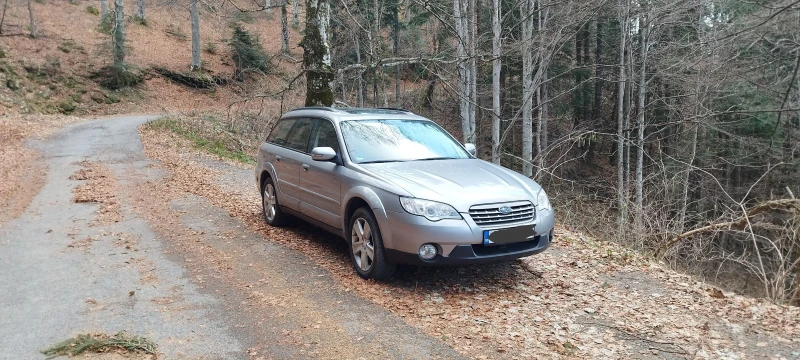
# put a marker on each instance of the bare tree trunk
(526, 10)
(268, 6)
(496, 65)
(395, 52)
(296, 13)
(285, 29)
(640, 122)
(598, 80)
(103, 8)
(194, 14)
(119, 34)
(473, 70)
(317, 54)
(32, 25)
(140, 13)
(359, 77)
(463, 74)
(3, 18)
(621, 199)
(541, 94)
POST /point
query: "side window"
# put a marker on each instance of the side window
(280, 131)
(325, 136)
(298, 137)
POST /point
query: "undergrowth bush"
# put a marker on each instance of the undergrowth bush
(114, 78)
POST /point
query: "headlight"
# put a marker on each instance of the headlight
(542, 201)
(432, 210)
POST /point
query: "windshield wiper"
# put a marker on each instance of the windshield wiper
(438, 158)
(379, 161)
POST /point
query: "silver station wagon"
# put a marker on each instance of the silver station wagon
(399, 189)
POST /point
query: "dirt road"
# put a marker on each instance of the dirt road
(98, 251)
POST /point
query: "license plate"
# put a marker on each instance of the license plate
(509, 235)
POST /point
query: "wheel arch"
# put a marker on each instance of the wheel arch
(359, 197)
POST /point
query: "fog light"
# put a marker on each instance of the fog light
(427, 251)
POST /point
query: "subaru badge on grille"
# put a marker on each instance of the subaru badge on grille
(504, 210)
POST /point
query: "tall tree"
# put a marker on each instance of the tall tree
(622, 202)
(497, 32)
(140, 13)
(284, 28)
(195, 15)
(33, 29)
(463, 14)
(103, 9)
(317, 54)
(119, 34)
(3, 17)
(296, 13)
(527, 26)
(640, 120)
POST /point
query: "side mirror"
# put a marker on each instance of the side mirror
(322, 154)
(470, 147)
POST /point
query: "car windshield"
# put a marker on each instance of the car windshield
(373, 141)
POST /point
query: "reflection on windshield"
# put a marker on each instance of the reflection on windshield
(398, 140)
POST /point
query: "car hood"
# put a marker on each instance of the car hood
(458, 182)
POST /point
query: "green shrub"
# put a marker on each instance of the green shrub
(114, 78)
(91, 9)
(248, 54)
(67, 107)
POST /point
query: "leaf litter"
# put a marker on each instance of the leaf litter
(581, 298)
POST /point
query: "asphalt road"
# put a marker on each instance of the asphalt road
(62, 273)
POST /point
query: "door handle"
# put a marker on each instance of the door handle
(277, 158)
(305, 167)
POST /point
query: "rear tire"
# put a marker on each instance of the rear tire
(366, 247)
(270, 206)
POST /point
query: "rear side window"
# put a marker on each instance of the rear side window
(298, 137)
(280, 132)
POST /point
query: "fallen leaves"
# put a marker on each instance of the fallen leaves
(100, 187)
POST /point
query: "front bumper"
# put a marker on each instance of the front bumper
(476, 254)
(458, 241)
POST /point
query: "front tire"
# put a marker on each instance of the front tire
(269, 204)
(366, 247)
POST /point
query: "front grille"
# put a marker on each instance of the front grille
(490, 215)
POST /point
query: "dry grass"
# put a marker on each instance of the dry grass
(101, 343)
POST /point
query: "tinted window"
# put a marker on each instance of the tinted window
(399, 140)
(325, 136)
(280, 131)
(298, 137)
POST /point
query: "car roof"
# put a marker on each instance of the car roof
(346, 114)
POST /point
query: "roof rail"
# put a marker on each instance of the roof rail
(395, 109)
(324, 108)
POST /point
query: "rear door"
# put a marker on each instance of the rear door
(321, 180)
(286, 157)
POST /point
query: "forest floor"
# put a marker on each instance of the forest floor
(169, 241)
